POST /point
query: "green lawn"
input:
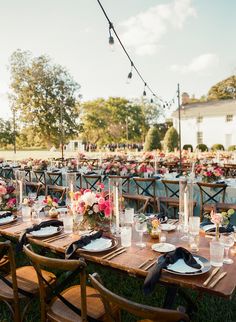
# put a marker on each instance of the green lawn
(210, 309)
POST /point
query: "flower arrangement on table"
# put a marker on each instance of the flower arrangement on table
(40, 164)
(209, 173)
(50, 202)
(113, 168)
(93, 205)
(144, 168)
(28, 202)
(7, 197)
(154, 229)
(220, 219)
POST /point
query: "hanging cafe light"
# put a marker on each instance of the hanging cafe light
(130, 75)
(111, 38)
(144, 90)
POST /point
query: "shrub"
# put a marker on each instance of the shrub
(152, 141)
(217, 147)
(171, 139)
(202, 147)
(188, 146)
(232, 148)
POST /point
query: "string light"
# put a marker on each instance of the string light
(130, 75)
(133, 66)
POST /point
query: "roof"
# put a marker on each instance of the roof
(210, 108)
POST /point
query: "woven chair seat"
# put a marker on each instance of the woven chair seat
(26, 280)
(60, 312)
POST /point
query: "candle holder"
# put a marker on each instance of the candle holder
(20, 186)
(71, 187)
(185, 206)
(115, 193)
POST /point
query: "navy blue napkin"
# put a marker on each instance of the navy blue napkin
(163, 261)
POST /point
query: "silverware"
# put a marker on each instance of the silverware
(149, 266)
(52, 239)
(116, 254)
(213, 273)
(145, 262)
(113, 252)
(222, 275)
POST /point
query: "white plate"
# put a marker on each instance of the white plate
(98, 245)
(207, 227)
(167, 227)
(163, 247)
(7, 219)
(180, 268)
(46, 231)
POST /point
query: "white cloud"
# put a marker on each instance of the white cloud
(198, 64)
(144, 31)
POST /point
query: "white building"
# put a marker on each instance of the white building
(209, 123)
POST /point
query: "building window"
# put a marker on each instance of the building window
(199, 138)
(229, 118)
(199, 119)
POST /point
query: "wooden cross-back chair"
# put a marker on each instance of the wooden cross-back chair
(144, 194)
(20, 284)
(7, 173)
(40, 177)
(125, 182)
(36, 187)
(146, 313)
(27, 175)
(171, 198)
(212, 196)
(58, 192)
(73, 303)
(229, 170)
(90, 181)
(54, 178)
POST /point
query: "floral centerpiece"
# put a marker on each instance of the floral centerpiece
(220, 219)
(95, 207)
(209, 173)
(50, 202)
(7, 197)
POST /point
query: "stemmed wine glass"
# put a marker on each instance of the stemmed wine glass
(228, 240)
(140, 227)
(38, 205)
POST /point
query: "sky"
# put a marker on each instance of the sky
(190, 42)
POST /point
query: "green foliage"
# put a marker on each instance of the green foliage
(217, 147)
(202, 147)
(171, 139)
(152, 141)
(30, 137)
(188, 146)
(226, 89)
(44, 95)
(6, 133)
(113, 120)
(232, 148)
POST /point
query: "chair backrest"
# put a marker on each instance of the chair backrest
(40, 176)
(39, 262)
(139, 310)
(33, 187)
(145, 186)
(54, 178)
(125, 182)
(171, 188)
(90, 181)
(6, 249)
(211, 193)
(55, 191)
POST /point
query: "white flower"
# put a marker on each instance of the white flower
(89, 198)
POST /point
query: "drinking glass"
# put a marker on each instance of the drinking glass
(32, 196)
(141, 227)
(26, 213)
(228, 241)
(126, 236)
(68, 223)
(194, 228)
(38, 205)
(216, 253)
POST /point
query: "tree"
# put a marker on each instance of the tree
(226, 89)
(152, 141)
(45, 95)
(115, 120)
(171, 139)
(6, 133)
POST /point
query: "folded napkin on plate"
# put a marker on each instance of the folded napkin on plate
(163, 261)
(91, 173)
(6, 214)
(83, 241)
(23, 239)
(224, 229)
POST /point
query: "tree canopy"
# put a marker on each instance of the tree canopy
(171, 139)
(152, 141)
(6, 133)
(225, 89)
(44, 94)
(116, 120)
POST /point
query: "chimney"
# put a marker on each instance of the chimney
(185, 98)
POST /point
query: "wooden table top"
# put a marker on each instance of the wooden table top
(134, 256)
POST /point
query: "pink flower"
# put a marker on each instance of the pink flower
(3, 190)
(107, 211)
(101, 185)
(216, 218)
(96, 208)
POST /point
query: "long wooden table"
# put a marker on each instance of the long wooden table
(130, 260)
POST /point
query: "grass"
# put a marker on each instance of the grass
(210, 309)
